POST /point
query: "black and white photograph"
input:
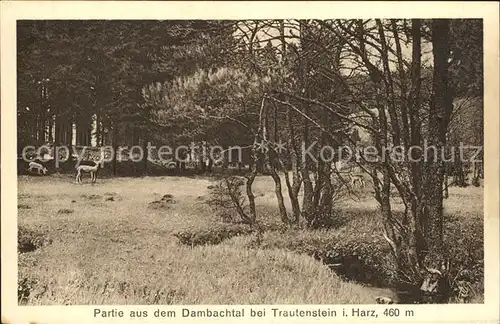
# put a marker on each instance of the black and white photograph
(250, 162)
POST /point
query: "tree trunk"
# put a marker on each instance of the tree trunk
(255, 161)
(98, 131)
(41, 130)
(402, 78)
(322, 188)
(69, 133)
(446, 192)
(115, 149)
(440, 109)
(305, 164)
(389, 87)
(51, 128)
(88, 134)
(271, 161)
(211, 164)
(326, 201)
(294, 186)
(225, 158)
(202, 166)
(248, 186)
(439, 113)
(146, 155)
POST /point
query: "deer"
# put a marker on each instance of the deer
(40, 168)
(88, 169)
(357, 178)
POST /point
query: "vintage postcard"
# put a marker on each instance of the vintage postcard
(256, 161)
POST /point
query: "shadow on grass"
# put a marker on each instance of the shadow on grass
(29, 240)
(351, 245)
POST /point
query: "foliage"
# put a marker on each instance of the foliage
(227, 199)
(96, 67)
(464, 241)
(29, 240)
(211, 236)
(302, 81)
(198, 104)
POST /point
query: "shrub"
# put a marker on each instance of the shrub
(213, 235)
(352, 255)
(25, 286)
(28, 240)
(65, 211)
(221, 232)
(164, 203)
(228, 201)
(465, 245)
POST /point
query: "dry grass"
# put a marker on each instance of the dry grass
(119, 250)
(203, 275)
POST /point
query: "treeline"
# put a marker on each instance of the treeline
(78, 77)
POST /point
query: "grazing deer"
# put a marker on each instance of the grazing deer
(88, 169)
(40, 168)
(357, 178)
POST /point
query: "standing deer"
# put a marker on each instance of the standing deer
(40, 168)
(88, 169)
(357, 178)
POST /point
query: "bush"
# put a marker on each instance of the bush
(28, 240)
(221, 232)
(211, 236)
(25, 286)
(363, 258)
(228, 201)
(65, 211)
(164, 203)
(464, 239)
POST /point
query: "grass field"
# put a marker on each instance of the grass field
(105, 244)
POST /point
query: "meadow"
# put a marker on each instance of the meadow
(119, 242)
